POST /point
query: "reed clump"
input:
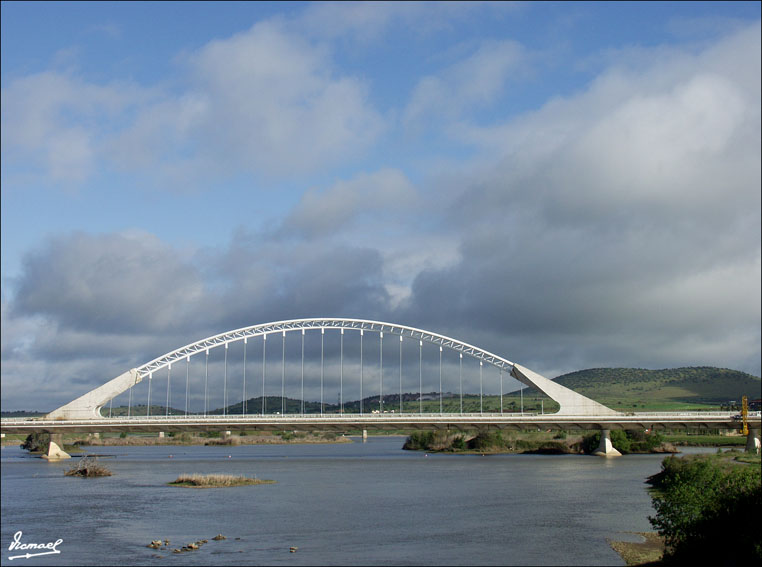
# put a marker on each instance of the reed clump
(88, 467)
(217, 480)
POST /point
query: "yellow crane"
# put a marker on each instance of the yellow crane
(745, 415)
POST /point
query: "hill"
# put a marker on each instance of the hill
(671, 389)
(663, 389)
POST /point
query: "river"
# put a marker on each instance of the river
(344, 504)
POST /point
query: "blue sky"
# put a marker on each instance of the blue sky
(569, 184)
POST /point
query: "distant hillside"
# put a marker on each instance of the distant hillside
(632, 386)
(22, 413)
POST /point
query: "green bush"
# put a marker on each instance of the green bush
(419, 441)
(708, 511)
(36, 442)
(486, 441)
(625, 441)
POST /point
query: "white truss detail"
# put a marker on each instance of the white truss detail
(306, 324)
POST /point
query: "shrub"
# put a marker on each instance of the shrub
(419, 441)
(625, 441)
(708, 511)
(88, 467)
(36, 442)
(487, 441)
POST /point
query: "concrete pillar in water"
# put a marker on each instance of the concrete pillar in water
(752, 441)
(364, 435)
(55, 452)
(605, 448)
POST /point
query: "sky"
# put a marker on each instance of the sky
(570, 185)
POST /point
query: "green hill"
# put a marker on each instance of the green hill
(668, 389)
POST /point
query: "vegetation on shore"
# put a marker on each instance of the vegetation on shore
(215, 438)
(538, 441)
(36, 442)
(491, 442)
(559, 442)
(216, 480)
(647, 552)
(630, 441)
(707, 508)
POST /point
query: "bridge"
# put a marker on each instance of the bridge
(349, 362)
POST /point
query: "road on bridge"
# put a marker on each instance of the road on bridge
(382, 422)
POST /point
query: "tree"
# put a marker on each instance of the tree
(708, 511)
(36, 442)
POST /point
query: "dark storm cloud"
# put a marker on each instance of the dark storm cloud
(112, 284)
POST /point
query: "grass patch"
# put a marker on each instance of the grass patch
(649, 551)
(688, 440)
(216, 480)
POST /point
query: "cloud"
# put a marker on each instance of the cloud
(473, 82)
(365, 22)
(376, 193)
(617, 220)
(266, 102)
(114, 283)
(50, 120)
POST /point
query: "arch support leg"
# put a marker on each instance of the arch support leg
(605, 448)
(752, 441)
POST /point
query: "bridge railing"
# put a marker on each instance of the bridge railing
(369, 417)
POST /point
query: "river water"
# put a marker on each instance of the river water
(344, 504)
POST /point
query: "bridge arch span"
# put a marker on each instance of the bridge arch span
(89, 405)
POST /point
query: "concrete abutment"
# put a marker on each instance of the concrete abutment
(605, 448)
(55, 452)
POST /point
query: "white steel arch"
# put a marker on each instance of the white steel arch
(88, 406)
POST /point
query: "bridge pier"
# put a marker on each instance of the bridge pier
(364, 435)
(752, 441)
(55, 453)
(605, 448)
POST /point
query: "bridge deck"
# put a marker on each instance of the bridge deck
(383, 422)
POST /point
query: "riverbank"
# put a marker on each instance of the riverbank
(229, 440)
(540, 442)
(555, 442)
(703, 503)
(74, 441)
(649, 551)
